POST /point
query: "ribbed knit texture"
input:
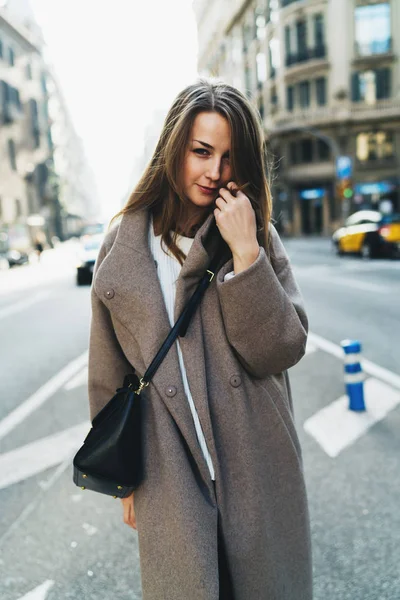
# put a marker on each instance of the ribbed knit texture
(168, 269)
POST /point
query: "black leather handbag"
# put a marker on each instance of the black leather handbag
(110, 461)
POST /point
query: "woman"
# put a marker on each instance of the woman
(222, 511)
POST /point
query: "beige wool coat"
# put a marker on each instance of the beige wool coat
(244, 336)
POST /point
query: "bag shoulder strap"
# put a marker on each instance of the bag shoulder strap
(182, 324)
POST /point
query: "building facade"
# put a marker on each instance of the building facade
(47, 189)
(325, 77)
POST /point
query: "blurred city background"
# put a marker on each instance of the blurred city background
(84, 89)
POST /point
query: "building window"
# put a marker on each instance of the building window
(301, 34)
(28, 71)
(274, 56)
(306, 151)
(320, 85)
(290, 97)
(319, 36)
(372, 29)
(287, 41)
(1, 49)
(11, 57)
(260, 21)
(261, 69)
(287, 2)
(12, 155)
(323, 150)
(370, 86)
(304, 94)
(35, 122)
(375, 145)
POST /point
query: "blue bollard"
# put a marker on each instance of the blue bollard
(353, 374)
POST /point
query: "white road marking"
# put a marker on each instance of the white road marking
(335, 427)
(310, 348)
(44, 393)
(24, 304)
(40, 592)
(368, 366)
(77, 381)
(38, 456)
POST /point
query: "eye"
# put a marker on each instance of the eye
(200, 151)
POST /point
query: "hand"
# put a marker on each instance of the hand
(129, 511)
(236, 221)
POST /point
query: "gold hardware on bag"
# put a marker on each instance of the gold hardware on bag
(212, 274)
(143, 384)
(119, 487)
(84, 476)
(115, 496)
(83, 487)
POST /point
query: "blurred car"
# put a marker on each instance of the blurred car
(369, 234)
(88, 252)
(92, 229)
(15, 257)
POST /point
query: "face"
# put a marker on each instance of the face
(207, 162)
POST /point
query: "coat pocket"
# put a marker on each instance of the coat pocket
(280, 405)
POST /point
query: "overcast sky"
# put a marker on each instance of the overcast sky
(118, 61)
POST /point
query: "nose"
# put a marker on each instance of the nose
(214, 169)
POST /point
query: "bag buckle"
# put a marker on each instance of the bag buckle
(212, 274)
(143, 384)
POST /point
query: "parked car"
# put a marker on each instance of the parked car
(369, 234)
(88, 252)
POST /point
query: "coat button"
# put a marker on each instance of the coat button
(235, 380)
(109, 294)
(170, 391)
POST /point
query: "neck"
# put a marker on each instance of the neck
(192, 219)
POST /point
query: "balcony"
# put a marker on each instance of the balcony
(372, 52)
(327, 115)
(306, 54)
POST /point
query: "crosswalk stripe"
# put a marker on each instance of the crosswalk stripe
(41, 395)
(335, 427)
(40, 455)
(40, 592)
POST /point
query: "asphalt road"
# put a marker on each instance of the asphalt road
(58, 542)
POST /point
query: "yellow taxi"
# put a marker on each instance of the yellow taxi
(369, 234)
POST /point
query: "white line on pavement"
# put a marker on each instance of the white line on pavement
(40, 592)
(79, 379)
(368, 366)
(38, 456)
(19, 306)
(44, 393)
(335, 427)
(320, 273)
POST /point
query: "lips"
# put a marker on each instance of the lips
(207, 190)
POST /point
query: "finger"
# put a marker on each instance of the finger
(232, 186)
(221, 203)
(226, 195)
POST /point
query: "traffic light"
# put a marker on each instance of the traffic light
(345, 189)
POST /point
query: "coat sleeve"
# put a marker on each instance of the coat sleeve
(107, 364)
(263, 312)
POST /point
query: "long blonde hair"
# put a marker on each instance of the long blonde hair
(160, 188)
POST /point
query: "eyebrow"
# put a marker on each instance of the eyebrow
(208, 145)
